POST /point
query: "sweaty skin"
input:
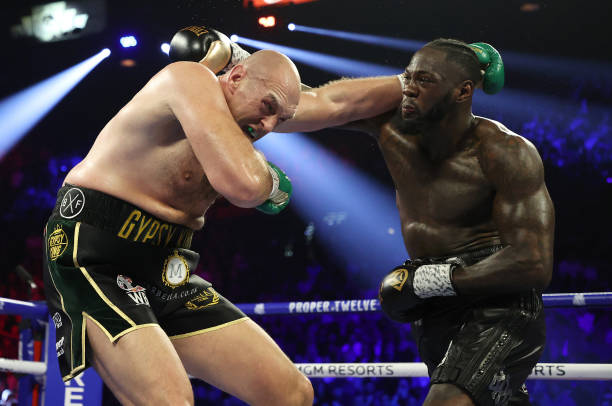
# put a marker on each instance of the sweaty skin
(465, 183)
(182, 140)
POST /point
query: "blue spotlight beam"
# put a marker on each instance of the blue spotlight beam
(20, 112)
(545, 65)
(355, 216)
(335, 64)
(388, 42)
(558, 67)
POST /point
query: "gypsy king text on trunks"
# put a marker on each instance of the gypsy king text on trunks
(140, 228)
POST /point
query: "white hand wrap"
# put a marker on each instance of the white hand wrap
(238, 55)
(433, 280)
(275, 183)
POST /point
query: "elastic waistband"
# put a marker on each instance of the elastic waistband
(119, 217)
(467, 257)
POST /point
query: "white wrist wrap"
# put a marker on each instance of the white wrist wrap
(238, 55)
(275, 183)
(433, 280)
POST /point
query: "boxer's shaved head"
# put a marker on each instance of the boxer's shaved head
(263, 90)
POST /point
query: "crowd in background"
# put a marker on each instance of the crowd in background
(250, 257)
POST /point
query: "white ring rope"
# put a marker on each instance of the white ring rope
(548, 370)
(23, 367)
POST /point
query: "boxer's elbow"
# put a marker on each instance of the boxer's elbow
(241, 191)
(536, 273)
(245, 193)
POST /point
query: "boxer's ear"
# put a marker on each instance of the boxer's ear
(235, 76)
(465, 90)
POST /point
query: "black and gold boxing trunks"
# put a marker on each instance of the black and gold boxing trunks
(124, 269)
(485, 345)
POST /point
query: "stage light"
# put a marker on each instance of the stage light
(128, 63)
(388, 42)
(354, 215)
(21, 111)
(165, 48)
(329, 63)
(234, 38)
(291, 27)
(267, 22)
(128, 41)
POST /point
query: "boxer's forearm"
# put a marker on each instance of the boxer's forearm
(343, 101)
(511, 270)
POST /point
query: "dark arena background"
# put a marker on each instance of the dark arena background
(341, 233)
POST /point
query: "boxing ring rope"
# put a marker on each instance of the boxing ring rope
(548, 371)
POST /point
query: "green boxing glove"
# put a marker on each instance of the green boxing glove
(281, 192)
(493, 66)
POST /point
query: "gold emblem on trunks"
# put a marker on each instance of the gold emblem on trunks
(204, 299)
(398, 278)
(176, 270)
(57, 241)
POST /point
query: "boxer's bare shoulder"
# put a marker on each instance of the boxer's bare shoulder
(508, 159)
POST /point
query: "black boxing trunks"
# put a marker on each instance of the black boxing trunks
(124, 269)
(487, 346)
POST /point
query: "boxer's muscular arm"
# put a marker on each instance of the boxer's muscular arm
(524, 215)
(343, 101)
(228, 158)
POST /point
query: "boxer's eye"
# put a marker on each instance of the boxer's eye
(268, 107)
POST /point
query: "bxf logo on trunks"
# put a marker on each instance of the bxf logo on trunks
(136, 293)
(72, 203)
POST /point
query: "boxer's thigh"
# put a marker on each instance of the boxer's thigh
(243, 360)
(493, 353)
(141, 368)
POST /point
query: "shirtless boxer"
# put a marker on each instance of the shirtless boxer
(477, 221)
(119, 279)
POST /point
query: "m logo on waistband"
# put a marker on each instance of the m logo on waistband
(72, 203)
(58, 241)
(176, 270)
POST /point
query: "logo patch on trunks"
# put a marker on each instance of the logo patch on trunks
(204, 299)
(176, 270)
(57, 241)
(136, 293)
(57, 320)
(72, 203)
(500, 388)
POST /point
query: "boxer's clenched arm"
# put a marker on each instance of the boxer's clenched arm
(228, 158)
(343, 101)
(524, 215)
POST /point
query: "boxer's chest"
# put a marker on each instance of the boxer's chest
(452, 191)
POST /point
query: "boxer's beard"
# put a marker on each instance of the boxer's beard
(420, 124)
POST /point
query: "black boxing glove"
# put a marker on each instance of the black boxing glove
(201, 44)
(403, 290)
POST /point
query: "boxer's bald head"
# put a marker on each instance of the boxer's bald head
(262, 91)
(268, 63)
